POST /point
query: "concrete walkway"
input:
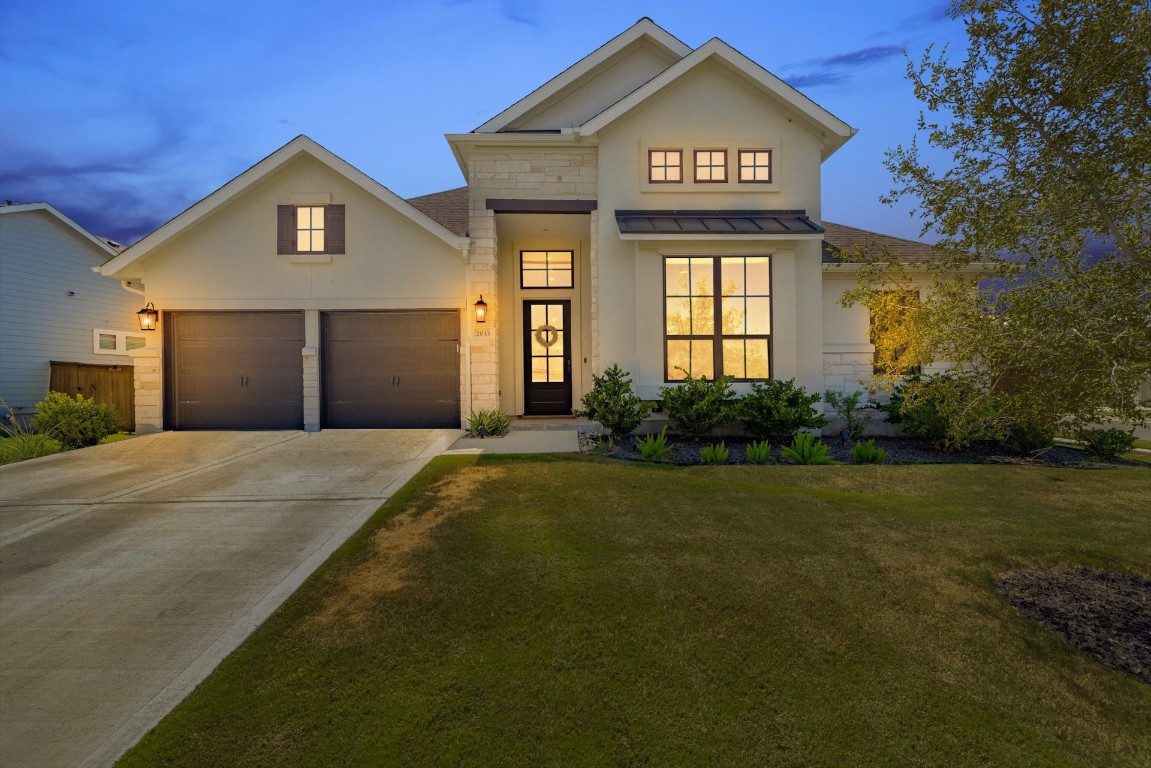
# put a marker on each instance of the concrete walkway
(530, 435)
(128, 571)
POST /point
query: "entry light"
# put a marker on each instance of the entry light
(148, 316)
(481, 310)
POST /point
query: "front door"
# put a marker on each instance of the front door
(547, 357)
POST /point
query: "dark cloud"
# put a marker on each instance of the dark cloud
(815, 79)
(835, 70)
(862, 57)
(518, 11)
(935, 14)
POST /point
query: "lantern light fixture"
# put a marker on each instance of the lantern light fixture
(148, 317)
(481, 310)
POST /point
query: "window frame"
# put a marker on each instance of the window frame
(717, 336)
(312, 229)
(908, 370)
(651, 166)
(121, 341)
(546, 270)
(740, 166)
(695, 166)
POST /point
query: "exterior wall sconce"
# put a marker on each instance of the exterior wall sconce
(148, 316)
(481, 310)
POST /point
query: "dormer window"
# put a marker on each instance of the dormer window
(310, 229)
(665, 166)
(755, 166)
(710, 166)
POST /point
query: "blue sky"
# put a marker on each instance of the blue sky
(122, 114)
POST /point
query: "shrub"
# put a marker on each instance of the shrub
(847, 408)
(868, 453)
(1031, 437)
(697, 406)
(714, 454)
(805, 449)
(76, 422)
(759, 452)
(654, 447)
(1106, 443)
(18, 444)
(776, 410)
(488, 423)
(612, 403)
(950, 410)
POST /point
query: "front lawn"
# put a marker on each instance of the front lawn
(578, 611)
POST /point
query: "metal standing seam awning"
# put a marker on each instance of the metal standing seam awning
(716, 223)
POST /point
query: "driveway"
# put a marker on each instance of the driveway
(128, 571)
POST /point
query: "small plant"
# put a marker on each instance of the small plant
(17, 443)
(714, 454)
(846, 407)
(775, 410)
(654, 447)
(612, 403)
(805, 449)
(488, 423)
(868, 453)
(1032, 437)
(697, 406)
(1106, 443)
(76, 422)
(759, 452)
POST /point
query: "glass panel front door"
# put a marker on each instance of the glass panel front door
(547, 357)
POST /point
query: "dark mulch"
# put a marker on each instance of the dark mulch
(899, 451)
(1105, 615)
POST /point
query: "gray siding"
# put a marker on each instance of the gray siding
(41, 259)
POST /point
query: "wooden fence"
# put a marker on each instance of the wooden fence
(111, 384)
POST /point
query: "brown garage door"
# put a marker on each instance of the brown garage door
(391, 369)
(233, 370)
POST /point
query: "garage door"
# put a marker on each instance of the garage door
(391, 369)
(233, 370)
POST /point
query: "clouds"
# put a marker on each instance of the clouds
(838, 69)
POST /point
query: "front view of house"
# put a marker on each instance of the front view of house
(653, 206)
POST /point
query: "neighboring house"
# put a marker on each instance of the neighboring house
(54, 307)
(653, 206)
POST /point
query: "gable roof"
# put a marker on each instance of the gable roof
(449, 208)
(106, 247)
(237, 186)
(644, 29)
(835, 131)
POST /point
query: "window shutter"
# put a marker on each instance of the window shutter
(334, 228)
(286, 229)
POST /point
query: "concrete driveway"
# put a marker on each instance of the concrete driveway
(129, 570)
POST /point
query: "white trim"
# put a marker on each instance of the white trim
(48, 208)
(310, 258)
(121, 347)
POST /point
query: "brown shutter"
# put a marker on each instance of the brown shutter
(286, 229)
(334, 228)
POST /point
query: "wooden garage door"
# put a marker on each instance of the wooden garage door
(391, 369)
(233, 370)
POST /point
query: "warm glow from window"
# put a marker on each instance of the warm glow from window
(546, 269)
(665, 166)
(711, 165)
(755, 166)
(310, 228)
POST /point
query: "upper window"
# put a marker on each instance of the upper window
(890, 313)
(546, 269)
(711, 166)
(310, 229)
(105, 342)
(665, 166)
(755, 166)
(717, 317)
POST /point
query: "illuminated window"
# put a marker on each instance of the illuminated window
(546, 269)
(711, 166)
(724, 332)
(665, 166)
(310, 228)
(755, 166)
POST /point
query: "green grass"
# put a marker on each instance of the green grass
(117, 437)
(581, 612)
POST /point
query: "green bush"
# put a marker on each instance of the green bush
(805, 449)
(868, 453)
(697, 406)
(949, 410)
(654, 447)
(612, 403)
(759, 452)
(714, 454)
(1031, 436)
(847, 408)
(76, 422)
(776, 410)
(1106, 443)
(488, 423)
(28, 445)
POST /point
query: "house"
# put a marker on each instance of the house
(653, 205)
(57, 315)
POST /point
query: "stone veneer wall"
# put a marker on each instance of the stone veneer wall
(148, 381)
(528, 173)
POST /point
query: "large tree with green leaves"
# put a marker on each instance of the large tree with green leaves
(1047, 119)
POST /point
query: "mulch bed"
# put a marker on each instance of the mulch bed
(899, 451)
(1105, 615)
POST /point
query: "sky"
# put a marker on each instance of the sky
(122, 113)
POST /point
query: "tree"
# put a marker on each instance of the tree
(1047, 199)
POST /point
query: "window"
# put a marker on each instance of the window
(712, 335)
(665, 166)
(711, 166)
(891, 311)
(105, 342)
(755, 166)
(306, 229)
(546, 269)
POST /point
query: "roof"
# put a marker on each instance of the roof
(107, 247)
(449, 208)
(842, 243)
(121, 265)
(732, 223)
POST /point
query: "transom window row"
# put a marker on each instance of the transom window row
(710, 166)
